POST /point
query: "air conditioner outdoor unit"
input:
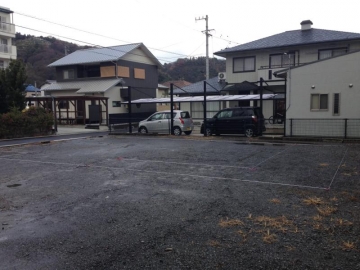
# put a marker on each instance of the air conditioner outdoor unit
(222, 76)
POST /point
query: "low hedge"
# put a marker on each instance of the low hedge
(31, 122)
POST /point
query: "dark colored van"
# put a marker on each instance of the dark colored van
(238, 120)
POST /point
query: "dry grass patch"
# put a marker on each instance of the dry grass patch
(324, 164)
(313, 201)
(326, 210)
(342, 222)
(214, 243)
(334, 199)
(279, 223)
(317, 218)
(290, 248)
(230, 223)
(354, 198)
(275, 201)
(347, 245)
(269, 238)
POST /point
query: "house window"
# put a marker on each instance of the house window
(323, 54)
(63, 104)
(336, 104)
(4, 45)
(244, 64)
(139, 73)
(319, 101)
(116, 103)
(3, 24)
(69, 74)
(282, 60)
(2, 64)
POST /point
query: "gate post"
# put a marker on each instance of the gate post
(291, 127)
(346, 124)
(204, 107)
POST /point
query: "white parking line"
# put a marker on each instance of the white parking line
(182, 163)
(168, 173)
(341, 162)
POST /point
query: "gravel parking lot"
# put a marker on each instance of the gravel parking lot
(143, 202)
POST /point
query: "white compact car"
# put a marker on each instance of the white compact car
(159, 122)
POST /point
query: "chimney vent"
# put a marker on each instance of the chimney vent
(306, 25)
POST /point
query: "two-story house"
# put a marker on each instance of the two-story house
(305, 64)
(7, 33)
(107, 73)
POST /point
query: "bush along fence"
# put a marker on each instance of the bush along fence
(340, 128)
(31, 122)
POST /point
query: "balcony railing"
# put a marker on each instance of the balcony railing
(5, 48)
(278, 67)
(7, 27)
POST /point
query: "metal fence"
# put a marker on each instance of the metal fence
(341, 128)
(120, 122)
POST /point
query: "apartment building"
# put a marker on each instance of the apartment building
(7, 33)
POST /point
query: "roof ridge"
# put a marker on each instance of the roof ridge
(103, 47)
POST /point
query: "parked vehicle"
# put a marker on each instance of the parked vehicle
(160, 122)
(238, 120)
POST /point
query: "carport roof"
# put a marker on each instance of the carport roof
(84, 87)
(208, 98)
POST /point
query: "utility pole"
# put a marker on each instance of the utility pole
(207, 34)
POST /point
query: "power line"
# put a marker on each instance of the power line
(92, 33)
(96, 34)
(84, 42)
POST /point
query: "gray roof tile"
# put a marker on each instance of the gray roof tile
(83, 87)
(198, 87)
(98, 55)
(293, 38)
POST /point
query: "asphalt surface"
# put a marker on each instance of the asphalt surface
(143, 202)
(45, 139)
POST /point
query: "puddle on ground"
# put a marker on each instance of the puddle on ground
(14, 185)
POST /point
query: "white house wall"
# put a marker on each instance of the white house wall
(138, 56)
(114, 95)
(304, 54)
(327, 77)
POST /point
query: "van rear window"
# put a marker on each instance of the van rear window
(185, 115)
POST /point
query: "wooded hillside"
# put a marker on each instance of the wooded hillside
(38, 52)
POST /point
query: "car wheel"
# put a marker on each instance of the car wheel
(177, 131)
(208, 131)
(249, 132)
(187, 132)
(143, 130)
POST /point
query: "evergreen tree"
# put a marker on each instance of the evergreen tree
(12, 88)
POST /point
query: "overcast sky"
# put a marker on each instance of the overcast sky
(168, 28)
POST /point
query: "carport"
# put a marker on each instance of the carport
(203, 99)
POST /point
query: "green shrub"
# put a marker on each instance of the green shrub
(32, 122)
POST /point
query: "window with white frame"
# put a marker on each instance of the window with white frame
(68, 74)
(319, 102)
(197, 109)
(336, 109)
(244, 64)
(327, 53)
(282, 60)
(3, 24)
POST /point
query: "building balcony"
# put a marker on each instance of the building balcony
(7, 29)
(8, 51)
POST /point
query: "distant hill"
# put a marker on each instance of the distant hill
(191, 69)
(38, 52)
